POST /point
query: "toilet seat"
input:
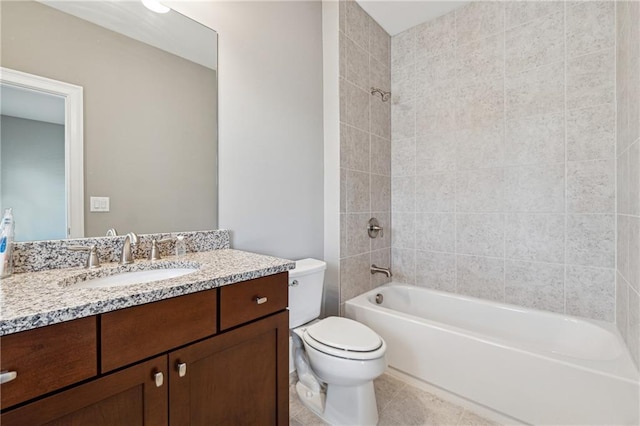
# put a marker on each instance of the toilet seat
(345, 338)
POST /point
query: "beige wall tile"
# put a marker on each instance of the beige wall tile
(380, 156)
(535, 237)
(354, 276)
(435, 152)
(358, 241)
(521, 12)
(591, 79)
(436, 71)
(480, 277)
(354, 149)
(435, 110)
(379, 76)
(622, 246)
(435, 36)
(591, 186)
(591, 240)
(633, 331)
(537, 139)
(380, 193)
(403, 157)
(537, 188)
(590, 292)
(591, 133)
(435, 232)
(480, 147)
(357, 24)
(634, 252)
(482, 59)
(379, 43)
(380, 117)
(358, 198)
(343, 235)
(480, 234)
(590, 26)
(435, 193)
(357, 64)
(403, 121)
(403, 226)
(536, 91)
(403, 262)
(480, 104)
(634, 179)
(403, 49)
(622, 183)
(436, 270)
(403, 190)
(355, 106)
(534, 44)
(343, 190)
(403, 85)
(480, 191)
(479, 19)
(622, 305)
(535, 285)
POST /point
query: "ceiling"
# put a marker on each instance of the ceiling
(395, 16)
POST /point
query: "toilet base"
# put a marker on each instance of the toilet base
(342, 405)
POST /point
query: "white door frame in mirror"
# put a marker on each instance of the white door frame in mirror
(73, 139)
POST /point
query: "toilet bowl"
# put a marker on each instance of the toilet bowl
(336, 358)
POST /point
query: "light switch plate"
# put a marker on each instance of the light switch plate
(99, 204)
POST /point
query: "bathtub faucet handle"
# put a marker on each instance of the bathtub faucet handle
(374, 228)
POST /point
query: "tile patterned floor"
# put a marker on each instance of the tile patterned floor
(399, 404)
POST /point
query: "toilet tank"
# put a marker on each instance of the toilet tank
(305, 291)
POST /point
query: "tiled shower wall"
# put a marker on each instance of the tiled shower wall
(628, 149)
(365, 150)
(503, 154)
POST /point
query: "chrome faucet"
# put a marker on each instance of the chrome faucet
(126, 256)
(376, 269)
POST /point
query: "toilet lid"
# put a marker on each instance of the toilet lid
(344, 334)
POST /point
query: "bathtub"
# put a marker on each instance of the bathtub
(537, 367)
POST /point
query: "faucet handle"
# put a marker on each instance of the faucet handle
(155, 253)
(93, 261)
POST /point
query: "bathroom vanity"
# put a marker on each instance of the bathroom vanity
(206, 348)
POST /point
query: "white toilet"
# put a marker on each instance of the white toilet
(341, 357)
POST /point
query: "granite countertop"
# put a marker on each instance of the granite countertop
(35, 299)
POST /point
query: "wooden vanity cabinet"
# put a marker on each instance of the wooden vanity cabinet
(207, 377)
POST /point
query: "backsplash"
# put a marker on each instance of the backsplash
(36, 256)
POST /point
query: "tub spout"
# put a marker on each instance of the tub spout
(377, 270)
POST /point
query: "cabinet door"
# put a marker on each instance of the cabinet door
(129, 397)
(236, 378)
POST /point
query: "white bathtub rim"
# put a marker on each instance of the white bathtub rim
(625, 371)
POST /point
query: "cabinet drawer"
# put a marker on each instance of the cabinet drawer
(48, 358)
(131, 334)
(239, 302)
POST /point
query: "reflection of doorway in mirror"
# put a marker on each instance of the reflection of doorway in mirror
(41, 164)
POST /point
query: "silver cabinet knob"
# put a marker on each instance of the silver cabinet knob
(7, 376)
(182, 369)
(294, 283)
(261, 300)
(158, 378)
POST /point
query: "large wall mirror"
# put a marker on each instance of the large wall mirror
(148, 130)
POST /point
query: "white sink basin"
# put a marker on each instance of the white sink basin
(137, 277)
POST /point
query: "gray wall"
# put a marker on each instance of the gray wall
(365, 150)
(155, 158)
(271, 146)
(32, 175)
(503, 154)
(628, 149)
